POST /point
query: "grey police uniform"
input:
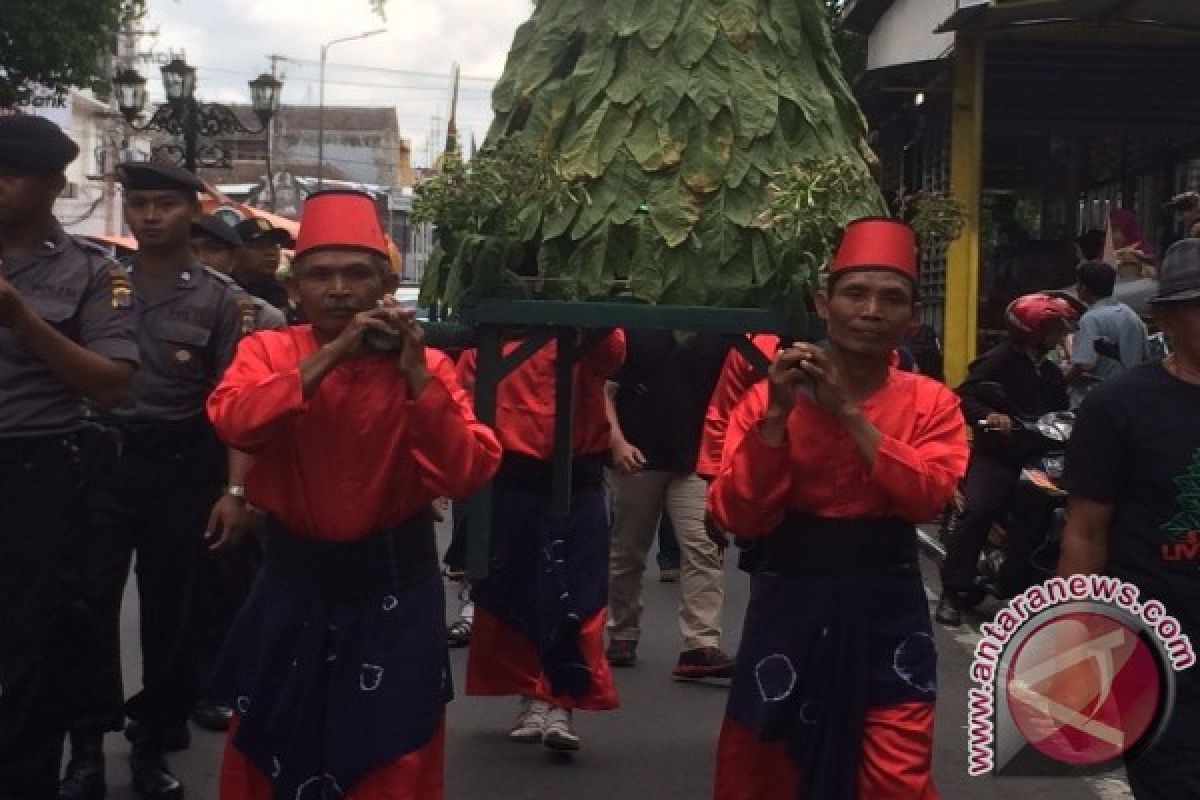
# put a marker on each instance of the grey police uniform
(169, 475)
(257, 314)
(68, 283)
(43, 509)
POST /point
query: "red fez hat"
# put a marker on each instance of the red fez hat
(877, 243)
(340, 218)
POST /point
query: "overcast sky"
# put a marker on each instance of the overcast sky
(230, 41)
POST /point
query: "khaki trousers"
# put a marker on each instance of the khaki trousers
(639, 500)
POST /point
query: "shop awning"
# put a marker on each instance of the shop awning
(1181, 15)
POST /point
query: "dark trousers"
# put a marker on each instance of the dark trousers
(1171, 768)
(226, 578)
(1029, 557)
(155, 506)
(43, 619)
(989, 489)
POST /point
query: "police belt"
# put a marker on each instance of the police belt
(812, 546)
(526, 473)
(16, 451)
(152, 434)
(381, 561)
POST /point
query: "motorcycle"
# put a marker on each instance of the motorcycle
(1039, 504)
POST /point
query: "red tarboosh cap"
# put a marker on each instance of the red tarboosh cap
(340, 218)
(876, 243)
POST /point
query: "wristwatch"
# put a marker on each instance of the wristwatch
(236, 490)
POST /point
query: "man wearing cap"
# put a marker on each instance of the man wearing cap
(336, 665)
(258, 262)
(1133, 477)
(230, 571)
(158, 500)
(217, 244)
(831, 462)
(67, 332)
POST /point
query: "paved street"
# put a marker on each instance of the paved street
(658, 745)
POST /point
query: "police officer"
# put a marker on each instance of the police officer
(162, 491)
(229, 572)
(67, 332)
(218, 245)
(258, 262)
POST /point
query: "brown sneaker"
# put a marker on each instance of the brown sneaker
(701, 663)
(621, 652)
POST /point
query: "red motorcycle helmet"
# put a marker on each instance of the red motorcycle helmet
(1032, 316)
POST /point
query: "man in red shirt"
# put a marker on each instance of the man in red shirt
(831, 462)
(538, 630)
(336, 665)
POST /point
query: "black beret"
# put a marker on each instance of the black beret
(154, 176)
(34, 145)
(257, 229)
(213, 227)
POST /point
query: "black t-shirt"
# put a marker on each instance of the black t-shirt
(664, 389)
(1136, 445)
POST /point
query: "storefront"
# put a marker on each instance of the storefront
(1042, 117)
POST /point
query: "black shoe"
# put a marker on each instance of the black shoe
(84, 777)
(177, 738)
(152, 779)
(212, 717)
(702, 663)
(948, 612)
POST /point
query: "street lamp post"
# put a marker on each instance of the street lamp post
(321, 100)
(183, 116)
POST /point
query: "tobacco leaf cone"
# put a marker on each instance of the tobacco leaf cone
(675, 115)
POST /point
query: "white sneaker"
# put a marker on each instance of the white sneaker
(531, 722)
(559, 733)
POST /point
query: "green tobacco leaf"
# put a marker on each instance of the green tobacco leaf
(755, 99)
(708, 154)
(603, 193)
(551, 109)
(558, 221)
(739, 165)
(673, 211)
(644, 144)
(655, 21)
(739, 19)
(634, 66)
(540, 60)
(593, 72)
(720, 240)
(709, 86)
(631, 182)
(590, 150)
(683, 282)
(590, 265)
(621, 16)
(743, 203)
(789, 24)
(695, 33)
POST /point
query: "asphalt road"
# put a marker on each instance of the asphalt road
(658, 746)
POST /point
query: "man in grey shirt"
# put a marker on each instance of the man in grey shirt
(1106, 318)
(67, 332)
(157, 501)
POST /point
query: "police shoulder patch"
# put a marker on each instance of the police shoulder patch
(120, 285)
(248, 311)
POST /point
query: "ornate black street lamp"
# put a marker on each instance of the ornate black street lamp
(185, 117)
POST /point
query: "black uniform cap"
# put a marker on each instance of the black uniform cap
(34, 145)
(153, 176)
(257, 229)
(213, 227)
